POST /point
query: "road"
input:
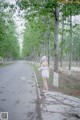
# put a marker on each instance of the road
(18, 93)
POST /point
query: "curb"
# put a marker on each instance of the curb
(38, 90)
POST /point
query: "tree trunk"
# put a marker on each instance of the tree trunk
(48, 40)
(62, 42)
(44, 39)
(70, 45)
(56, 22)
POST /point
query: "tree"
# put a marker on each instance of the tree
(9, 46)
(70, 10)
(46, 6)
(52, 7)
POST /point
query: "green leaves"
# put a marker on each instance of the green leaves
(73, 9)
(9, 46)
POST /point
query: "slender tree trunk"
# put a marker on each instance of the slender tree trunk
(70, 47)
(43, 46)
(44, 39)
(48, 40)
(62, 42)
(56, 22)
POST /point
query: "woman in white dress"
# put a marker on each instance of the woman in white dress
(44, 72)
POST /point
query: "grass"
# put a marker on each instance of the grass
(69, 85)
(3, 65)
(39, 78)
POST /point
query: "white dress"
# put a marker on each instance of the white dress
(45, 72)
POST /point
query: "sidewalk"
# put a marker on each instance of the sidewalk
(56, 106)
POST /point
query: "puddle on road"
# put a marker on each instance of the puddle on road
(17, 102)
(3, 100)
(1, 92)
(13, 92)
(2, 87)
(1, 109)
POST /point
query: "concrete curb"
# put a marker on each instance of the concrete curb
(38, 90)
(37, 85)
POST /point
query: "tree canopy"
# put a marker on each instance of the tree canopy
(9, 46)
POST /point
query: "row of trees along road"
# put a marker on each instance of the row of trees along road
(50, 30)
(9, 46)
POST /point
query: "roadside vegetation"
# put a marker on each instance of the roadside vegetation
(9, 45)
(52, 30)
(68, 84)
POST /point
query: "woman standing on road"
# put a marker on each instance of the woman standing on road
(44, 72)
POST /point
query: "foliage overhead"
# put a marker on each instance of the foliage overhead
(9, 46)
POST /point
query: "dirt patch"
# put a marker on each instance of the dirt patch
(68, 84)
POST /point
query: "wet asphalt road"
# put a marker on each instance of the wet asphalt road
(18, 91)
